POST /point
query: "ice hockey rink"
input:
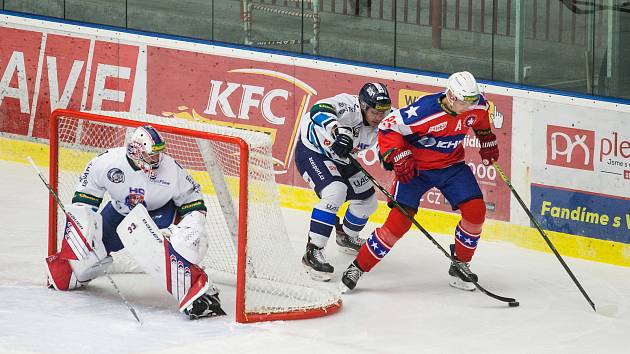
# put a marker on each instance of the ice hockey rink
(404, 305)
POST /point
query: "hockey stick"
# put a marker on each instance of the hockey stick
(543, 234)
(512, 302)
(76, 227)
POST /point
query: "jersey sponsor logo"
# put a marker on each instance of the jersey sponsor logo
(426, 141)
(135, 197)
(356, 130)
(316, 169)
(443, 144)
(86, 198)
(331, 208)
(188, 207)
(116, 175)
(361, 181)
(346, 109)
(148, 227)
(83, 179)
(438, 127)
(322, 107)
(362, 146)
(570, 147)
(161, 182)
(196, 186)
(448, 145)
(332, 168)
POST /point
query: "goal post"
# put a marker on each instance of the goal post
(249, 245)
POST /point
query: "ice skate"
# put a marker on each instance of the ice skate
(347, 244)
(205, 306)
(350, 278)
(315, 263)
(461, 280)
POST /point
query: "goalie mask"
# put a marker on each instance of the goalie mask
(145, 149)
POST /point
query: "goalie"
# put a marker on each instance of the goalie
(148, 190)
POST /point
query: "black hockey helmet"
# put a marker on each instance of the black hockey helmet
(375, 95)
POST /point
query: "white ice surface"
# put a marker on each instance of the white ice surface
(403, 306)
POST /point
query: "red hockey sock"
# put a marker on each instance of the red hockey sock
(383, 239)
(468, 230)
(465, 244)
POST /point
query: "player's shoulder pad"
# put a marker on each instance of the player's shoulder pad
(323, 107)
(422, 108)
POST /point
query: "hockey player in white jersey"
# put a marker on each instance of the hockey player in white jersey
(338, 127)
(138, 174)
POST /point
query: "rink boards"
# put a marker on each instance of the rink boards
(567, 156)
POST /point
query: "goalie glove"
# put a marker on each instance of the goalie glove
(489, 150)
(189, 238)
(342, 146)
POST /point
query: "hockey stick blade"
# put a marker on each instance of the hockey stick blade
(133, 311)
(511, 301)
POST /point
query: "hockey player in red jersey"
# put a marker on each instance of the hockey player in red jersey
(422, 144)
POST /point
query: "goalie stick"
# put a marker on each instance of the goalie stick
(544, 235)
(133, 311)
(511, 301)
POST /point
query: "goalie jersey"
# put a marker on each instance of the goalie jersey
(345, 110)
(128, 186)
(433, 134)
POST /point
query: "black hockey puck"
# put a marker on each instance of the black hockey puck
(513, 304)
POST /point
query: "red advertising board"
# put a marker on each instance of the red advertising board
(77, 72)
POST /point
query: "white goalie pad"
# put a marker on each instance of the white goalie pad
(90, 224)
(146, 244)
(82, 256)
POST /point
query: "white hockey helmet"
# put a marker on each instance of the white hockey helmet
(463, 86)
(145, 149)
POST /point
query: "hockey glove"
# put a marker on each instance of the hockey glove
(342, 146)
(404, 164)
(489, 149)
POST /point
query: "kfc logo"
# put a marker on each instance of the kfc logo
(570, 147)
